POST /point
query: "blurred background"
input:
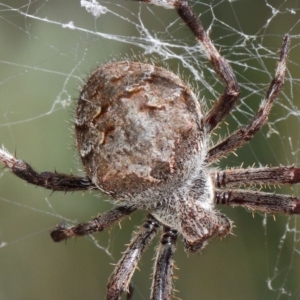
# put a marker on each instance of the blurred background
(48, 48)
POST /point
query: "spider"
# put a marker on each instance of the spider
(144, 141)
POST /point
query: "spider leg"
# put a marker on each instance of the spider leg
(244, 134)
(125, 268)
(163, 272)
(101, 222)
(49, 180)
(259, 201)
(258, 176)
(232, 91)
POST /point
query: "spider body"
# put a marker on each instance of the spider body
(138, 127)
(144, 141)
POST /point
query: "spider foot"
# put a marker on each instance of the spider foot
(62, 232)
(97, 224)
(7, 159)
(297, 208)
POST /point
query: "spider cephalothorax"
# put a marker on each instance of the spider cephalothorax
(144, 141)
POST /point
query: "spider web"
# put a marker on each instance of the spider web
(47, 50)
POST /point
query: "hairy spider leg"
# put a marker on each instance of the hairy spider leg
(121, 276)
(222, 68)
(259, 201)
(256, 176)
(244, 134)
(164, 264)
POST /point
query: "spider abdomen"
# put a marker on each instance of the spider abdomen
(137, 127)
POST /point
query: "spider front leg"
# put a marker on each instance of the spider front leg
(163, 271)
(48, 180)
(121, 276)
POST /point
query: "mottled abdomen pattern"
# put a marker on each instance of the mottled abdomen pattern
(136, 126)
